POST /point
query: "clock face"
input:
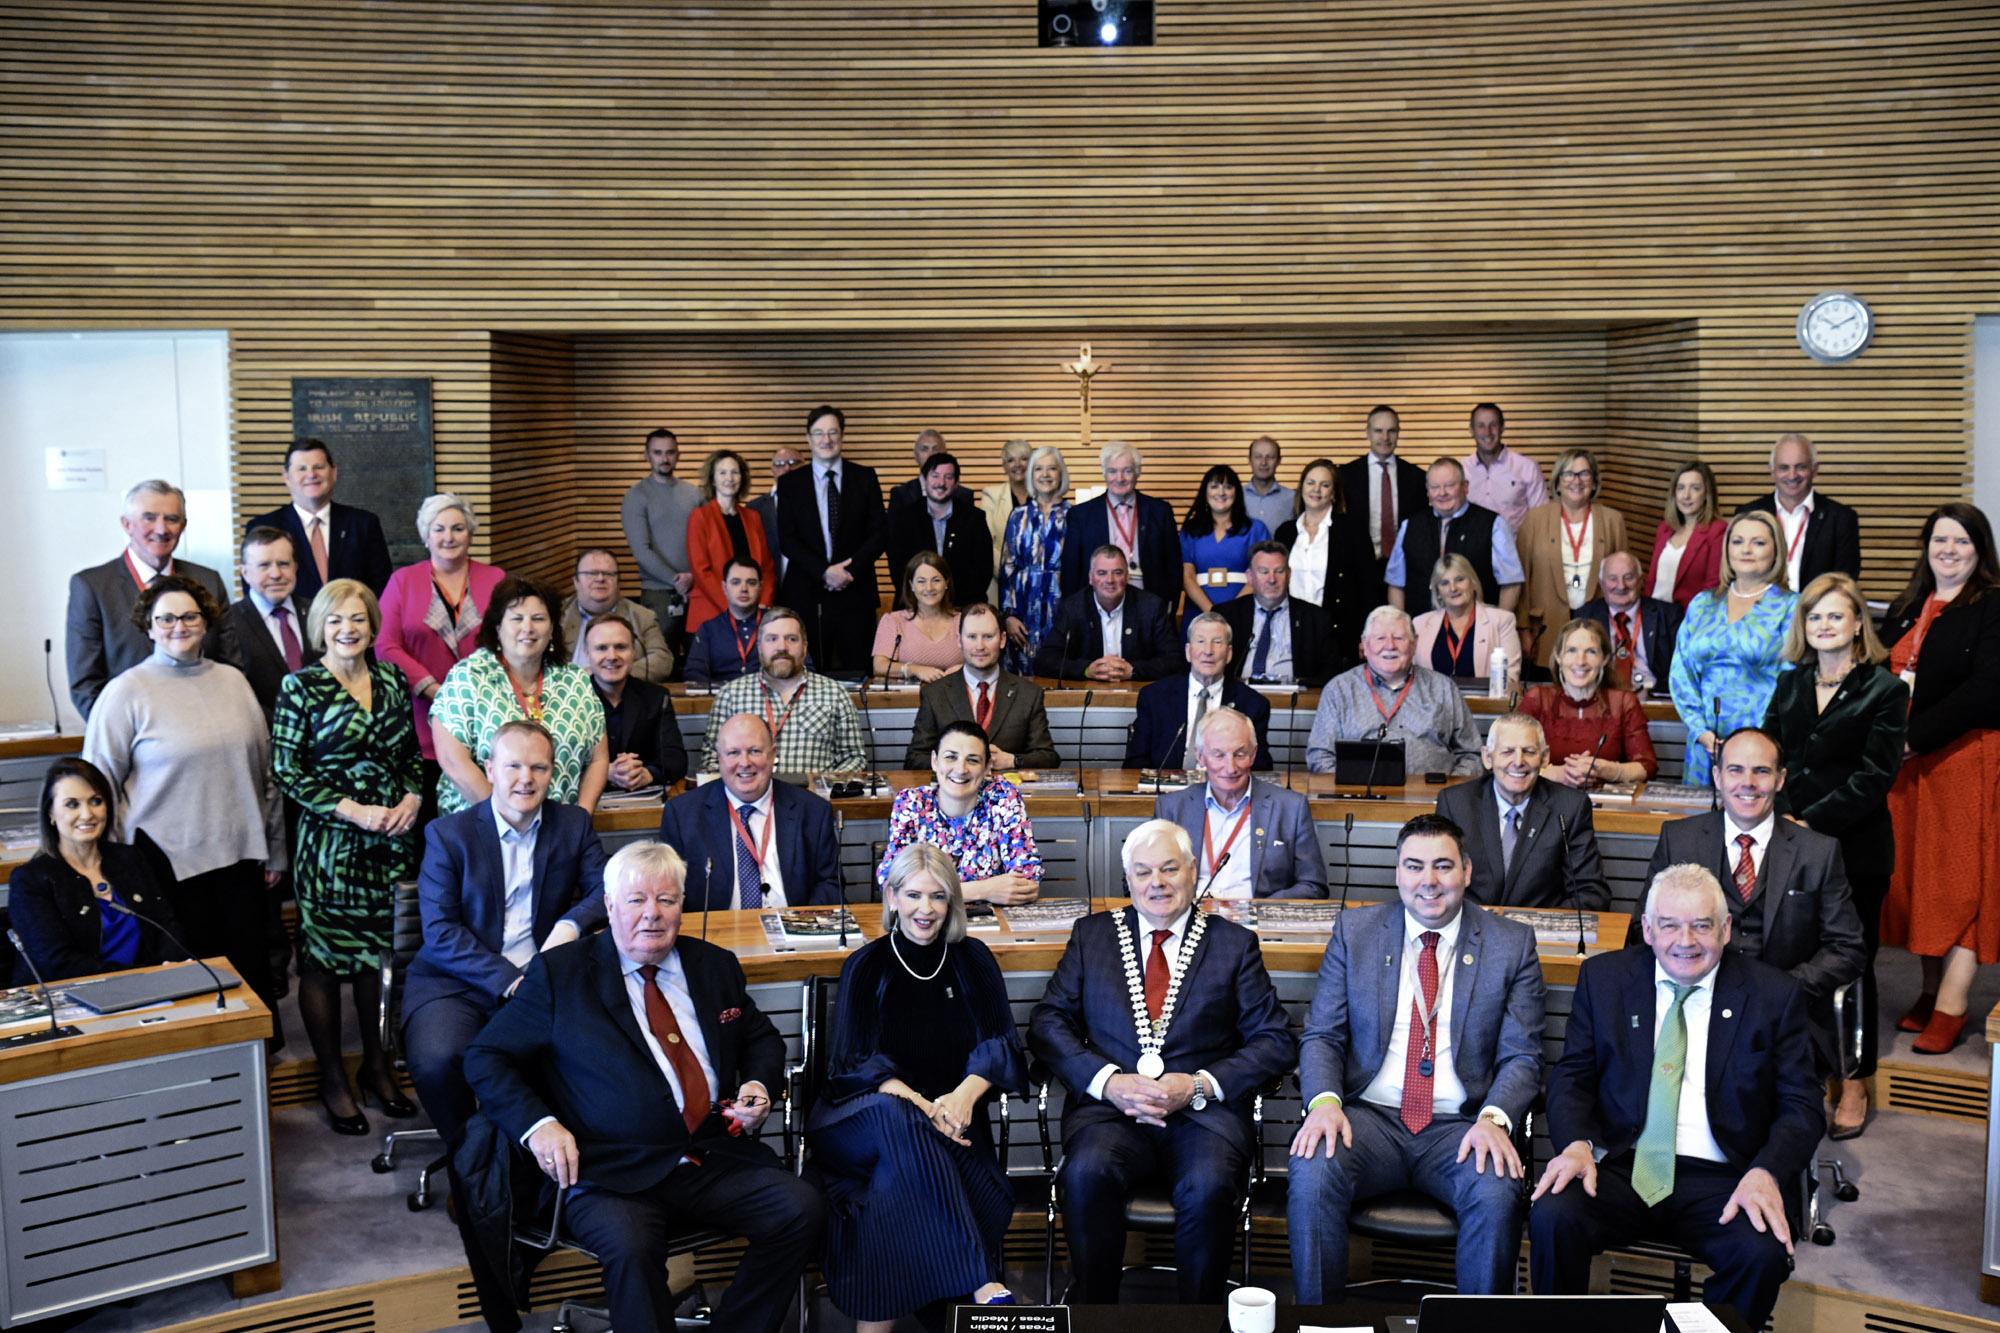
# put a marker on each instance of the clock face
(1835, 326)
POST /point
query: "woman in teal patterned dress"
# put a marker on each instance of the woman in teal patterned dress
(1031, 558)
(521, 671)
(1730, 648)
(344, 749)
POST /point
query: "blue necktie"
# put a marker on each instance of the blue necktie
(749, 880)
(1262, 658)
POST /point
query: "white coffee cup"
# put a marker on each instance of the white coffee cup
(1253, 1310)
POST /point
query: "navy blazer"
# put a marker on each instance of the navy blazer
(1159, 722)
(968, 545)
(696, 824)
(1763, 1093)
(355, 549)
(1353, 481)
(1281, 841)
(61, 924)
(1498, 1008)
(1076, 637)
(461, 887)
(859, 538)
(1316, 644)
(1832, 540)
(1659, 627)
(1227, 1020)
(568, 1045)
(1159, 546)
(1549, 870)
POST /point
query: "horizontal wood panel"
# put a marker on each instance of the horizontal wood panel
(560, 211)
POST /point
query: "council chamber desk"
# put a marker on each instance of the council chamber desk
(136, 1156)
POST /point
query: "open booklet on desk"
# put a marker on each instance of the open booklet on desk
(1285, 916)
(791, 928)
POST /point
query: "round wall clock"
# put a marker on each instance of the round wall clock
(1835, 327)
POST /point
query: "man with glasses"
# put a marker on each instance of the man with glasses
(831, 533)
(101, 639)
(784, 459)
(597, 594)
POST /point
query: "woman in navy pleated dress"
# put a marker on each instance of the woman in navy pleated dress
(922, 1034)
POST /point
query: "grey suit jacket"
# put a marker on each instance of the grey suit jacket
(1548, 867)
(102, 641)
(1281, 842)
(1497, 1001)
(1020, 720)
(248, 647)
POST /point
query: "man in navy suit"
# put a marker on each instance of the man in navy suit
(1688, 1105)
(1642, 629)
(510, 876)
(1253, 839)
(753, 841)
(831, 533)
(1174, 1104)
(1142, 526)
(946, 520)
(785, 458)
(1417, 1068)
(1530, 841)
(1109, 632)
(1165, 713)
(1285, 641)
(349, 545)
(636, 1069)
(1381, 489)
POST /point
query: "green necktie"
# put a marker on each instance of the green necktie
(1653, 1164)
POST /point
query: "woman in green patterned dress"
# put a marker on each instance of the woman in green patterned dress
(520, 672)
(344, 749)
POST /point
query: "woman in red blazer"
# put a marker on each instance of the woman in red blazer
(1688, 542)
(720, 531)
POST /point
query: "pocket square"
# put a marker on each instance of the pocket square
(729, 1015)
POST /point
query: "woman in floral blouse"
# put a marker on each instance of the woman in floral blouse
(981, 821)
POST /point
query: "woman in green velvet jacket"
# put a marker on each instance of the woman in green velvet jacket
(1840, 717)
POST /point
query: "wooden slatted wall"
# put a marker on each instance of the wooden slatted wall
(1652, 422)
(378, 188)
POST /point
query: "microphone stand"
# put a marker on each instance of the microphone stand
(874, 748)
(1089, 893)
(1346, 862)
(1202, 896)
(1715, 759)
(1575, 901)
(1368, 792)
(839, 829)
(1082, 715)
(116, 906)
(1292, 737)
(49, 679)
(707, 889)
(1062, 663)
(54, 1033)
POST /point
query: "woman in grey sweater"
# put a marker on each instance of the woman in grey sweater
(184, 742)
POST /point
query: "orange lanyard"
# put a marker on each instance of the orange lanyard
(1214, 862)
(133, 570)
(1454, 643)
(776, 722)
(530, 708)
(1575, 538)
(1389, 714)
(1792, 547)
(763, 843)
(743, 645)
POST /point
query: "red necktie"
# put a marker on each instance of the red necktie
(1386, 539)
(1621, 654)
(294, 659)
(982, 712)
(1416, 1059)
(1157, 974)
(1746, 869)
(667, 1031)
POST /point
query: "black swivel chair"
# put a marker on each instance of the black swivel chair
(405, 938)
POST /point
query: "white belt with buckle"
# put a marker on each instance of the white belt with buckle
(1221, 578)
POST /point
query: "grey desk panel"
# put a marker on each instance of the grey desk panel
(134, 1177)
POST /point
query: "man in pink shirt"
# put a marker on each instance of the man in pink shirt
(1504, 480)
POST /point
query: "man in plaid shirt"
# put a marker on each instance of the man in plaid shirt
(816, 726)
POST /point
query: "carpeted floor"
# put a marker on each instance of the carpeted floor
(1899, 978)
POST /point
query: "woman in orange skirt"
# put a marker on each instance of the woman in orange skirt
(1944, 898)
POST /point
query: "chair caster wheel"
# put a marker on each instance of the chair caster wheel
(417, 1203)
(1822, 1234)
(382, 1164)
(1847, 1191)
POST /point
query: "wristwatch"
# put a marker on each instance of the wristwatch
(1199, 1101)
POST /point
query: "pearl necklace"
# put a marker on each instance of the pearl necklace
(894, 948)
(1762, 588)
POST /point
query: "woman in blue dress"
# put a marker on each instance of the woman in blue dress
(1216, 538)
(918, 1203)
(1031, 559)
(1731, 645)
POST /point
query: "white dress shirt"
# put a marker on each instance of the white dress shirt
(1194, 692)
(1692, 1135)
(774, 873)
(672, 983)
(1792, 523)
(1234, 879)
(1669, 569)
(1142, 945)
(517, 878)
(1113, 624)
(1116, 511)
(1643, 675)
(1447, 1089)
(820, 471)
(1309, 554)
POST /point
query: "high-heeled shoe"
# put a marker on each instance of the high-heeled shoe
(1940, 1034)
(352, 1125)
(1920, 1013)
(394, 1104)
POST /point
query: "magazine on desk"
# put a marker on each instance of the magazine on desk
(25, 1005)
(1045, 913)
(791, 928)
(1044, 781)
(1280, 916)
(639, 798)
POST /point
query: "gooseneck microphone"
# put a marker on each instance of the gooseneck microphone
(868, 717)
(1083, 856)
(220, 1001)
(1715, 760)
(708, 888)
(1292, 737)
(49, 679)
(1222, 861)
(1082, 715)
(895, 651)
(1368, 792)
(1062, 663)
(1575, 899)
(54, 1033)
(1346, 861)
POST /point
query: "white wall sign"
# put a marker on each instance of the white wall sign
(75, 469)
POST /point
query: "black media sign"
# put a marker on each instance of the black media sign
(1010, 1319)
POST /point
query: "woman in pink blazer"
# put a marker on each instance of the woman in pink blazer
(431, 611)
(1687, 546)
(1457, 638)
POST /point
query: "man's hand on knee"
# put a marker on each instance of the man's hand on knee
(1486, 1142)
(1575, 1162)
(1323, 1123)
(1757, 1197)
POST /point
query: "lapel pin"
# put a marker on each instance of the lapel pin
(1728, 1013)
(1467, 960)
(1635, 1020)
(1260, 832)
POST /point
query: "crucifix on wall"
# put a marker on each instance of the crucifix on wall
(1085, 370)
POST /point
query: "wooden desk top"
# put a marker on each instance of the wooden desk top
(742, 933)
(35, 747)
(194, 1024)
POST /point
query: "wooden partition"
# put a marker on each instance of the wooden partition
(419, 189)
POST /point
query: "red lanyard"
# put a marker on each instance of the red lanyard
(1792, 547)
(763, 844)
(531, 710)
(1454, 643)
(777, 722)
(1576, 538)
(1213, 862)
(1127, 532)
(743, 645)
(133, 569)
(1389, 715)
